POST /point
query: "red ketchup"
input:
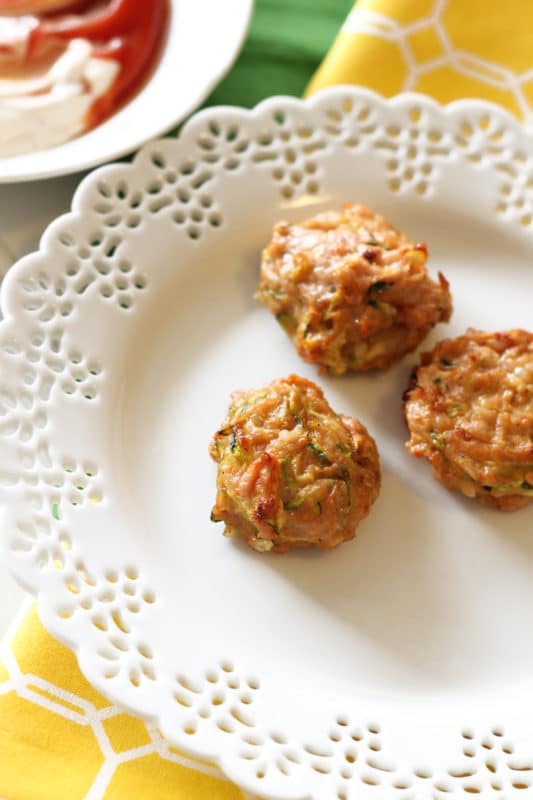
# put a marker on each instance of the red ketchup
(130, 32)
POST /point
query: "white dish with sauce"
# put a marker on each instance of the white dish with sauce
(204, 38)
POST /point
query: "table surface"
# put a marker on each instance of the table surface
(25, 211)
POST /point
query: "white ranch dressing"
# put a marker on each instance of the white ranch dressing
(49, 109)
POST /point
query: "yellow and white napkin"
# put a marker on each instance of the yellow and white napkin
(61, 740)
(445, 48)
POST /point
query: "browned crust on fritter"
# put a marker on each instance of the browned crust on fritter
(351, 290)
(292, 472)
(469, 409)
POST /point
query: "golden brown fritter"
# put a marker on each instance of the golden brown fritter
(470, 413)
(292, 472)
(352, 291)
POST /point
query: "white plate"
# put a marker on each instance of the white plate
(399, 665)
(203, 41)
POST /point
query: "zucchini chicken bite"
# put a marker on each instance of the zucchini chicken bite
(469, 409)
(352, 291)
(292, 472)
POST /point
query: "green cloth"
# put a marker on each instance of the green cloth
(286, 43)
